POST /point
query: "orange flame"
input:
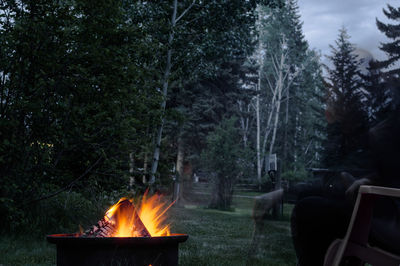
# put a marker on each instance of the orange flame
(135, 220)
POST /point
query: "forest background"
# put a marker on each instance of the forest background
(101, 99)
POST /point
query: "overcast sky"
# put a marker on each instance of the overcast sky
(323, 19)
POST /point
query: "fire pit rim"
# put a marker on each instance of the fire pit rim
(76, 239)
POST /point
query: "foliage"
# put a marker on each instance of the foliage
(70, 111)
(208, 59)
(392, 49)
(302, 124)
(80, 92)
(391, 73)
(378, 97)
(63, 213)
(295, 175)
(222, 158)
(347, 129)
(206, 104)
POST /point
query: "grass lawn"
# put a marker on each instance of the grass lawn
(20, 250)
(225, 238)
(215, 238)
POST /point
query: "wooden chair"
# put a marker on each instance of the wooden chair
(355, 242)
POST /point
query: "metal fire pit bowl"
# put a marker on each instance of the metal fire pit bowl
(133, 251)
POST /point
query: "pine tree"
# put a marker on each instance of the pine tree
(391, 72)
(392, 49)
(347, 117)
(378, 97)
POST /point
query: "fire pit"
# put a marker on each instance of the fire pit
(125, 236)
(75, 250)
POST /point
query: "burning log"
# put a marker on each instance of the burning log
(120, 220)
(127, 214)
(102, 228)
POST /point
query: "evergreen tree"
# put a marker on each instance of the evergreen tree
(222, 158)
(346, 139)
(392, 49)
(378, 97)
(391, 72)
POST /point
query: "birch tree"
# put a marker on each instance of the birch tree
(245, 121)
(207, 37)
(285, 82)
(175, 18)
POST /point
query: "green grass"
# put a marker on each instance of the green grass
(26, 251)
(215, 238)
(225, 238)
(249, 193)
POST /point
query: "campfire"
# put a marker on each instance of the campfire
(123, 219)
(132, 232)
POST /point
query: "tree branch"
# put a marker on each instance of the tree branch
(66, 187)
(185, 11)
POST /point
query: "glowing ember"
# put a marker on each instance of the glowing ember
(145, 218)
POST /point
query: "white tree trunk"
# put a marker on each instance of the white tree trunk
(178, 185)
(295, 141)
(145, 164)
(285, 137)
(275, 126)
(244, 123)
(279, 88)
(165, 80)
(180, 158)
(268, 126)
(167, 72)
(258, 132)
(131, 169)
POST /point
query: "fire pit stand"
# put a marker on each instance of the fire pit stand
(132, 251)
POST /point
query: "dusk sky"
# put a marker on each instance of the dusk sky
(323, 19)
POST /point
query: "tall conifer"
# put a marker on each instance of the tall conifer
(392, 49)
(345, 108)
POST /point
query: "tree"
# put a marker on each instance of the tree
(346, 138)
(378, 94)
(175, 17)
(194, 49)
(203, 66)
(391, 72)
(72, 110)
(392, 49)
(307, 124)
(222, 158)
(303, 123)
(289, 73)
(206, 104)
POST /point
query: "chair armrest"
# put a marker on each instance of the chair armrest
(361, 219)
(383, 191)
(360, 222)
